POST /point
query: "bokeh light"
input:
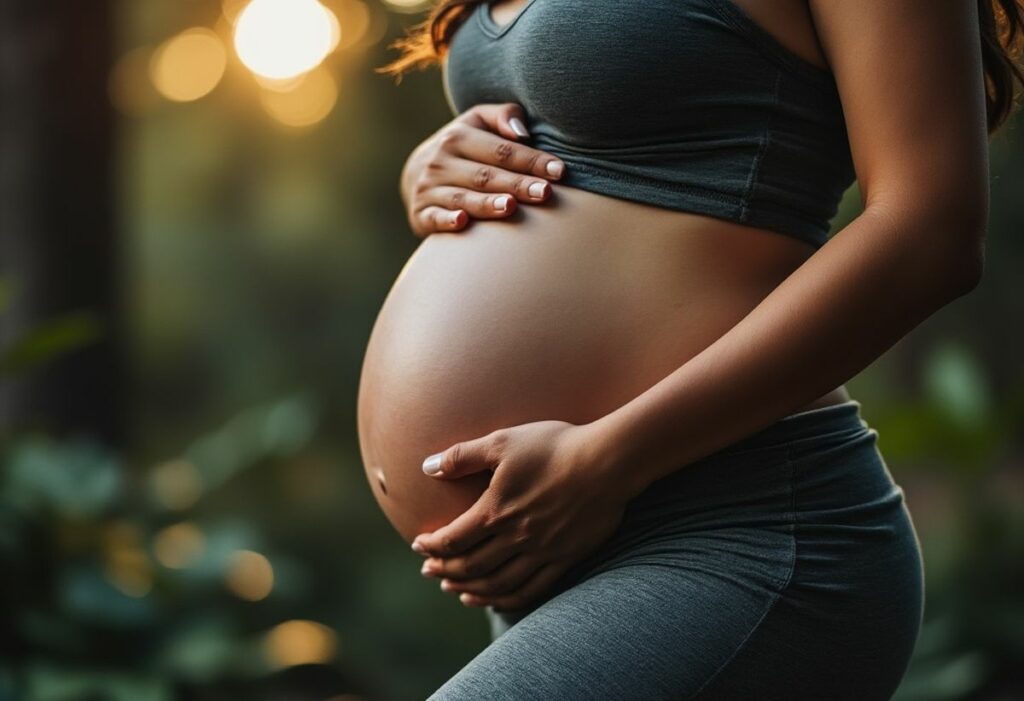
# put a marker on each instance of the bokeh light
(309, 101)
(129, 570)
(176, 484)
(281, 39)
(179, 545)
(407, 5)
(126, 564)
(231, 9)
(189, 65)
(354, 20)
(249, 575)
(335, 27)
(299, 642)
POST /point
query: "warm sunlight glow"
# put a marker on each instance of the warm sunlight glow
(299, 642)
(407, 5)
(335, 31)
(281, 39)
(307, 103)
(249, 575)
(353, 22)
(189, 65)
(231, 9)
(285, 85)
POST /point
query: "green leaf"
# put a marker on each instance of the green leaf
(60, 335)
(76, 478)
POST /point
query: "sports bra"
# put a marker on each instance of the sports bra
(683, 104)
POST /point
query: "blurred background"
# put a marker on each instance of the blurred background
(199, 219)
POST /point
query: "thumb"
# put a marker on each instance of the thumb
(512, 118)
(507, 119)
(462, 459)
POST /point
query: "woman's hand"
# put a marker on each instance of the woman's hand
(470, 168)
(549, 503)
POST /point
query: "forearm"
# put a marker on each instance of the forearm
(852, 300)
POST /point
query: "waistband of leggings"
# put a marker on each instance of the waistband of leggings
(819, 421)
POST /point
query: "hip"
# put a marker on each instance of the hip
(814, 482)
(805, 510)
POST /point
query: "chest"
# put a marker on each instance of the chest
(605, 67)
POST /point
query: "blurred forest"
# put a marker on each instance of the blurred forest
(193, 249)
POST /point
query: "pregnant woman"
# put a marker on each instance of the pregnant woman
(604, 398)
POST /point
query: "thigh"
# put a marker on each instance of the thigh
(648, 630)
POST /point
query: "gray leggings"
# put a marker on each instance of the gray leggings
(785, 566)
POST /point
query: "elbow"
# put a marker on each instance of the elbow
(971, 268)
(956, 270)
(947, 243)
(967, 261)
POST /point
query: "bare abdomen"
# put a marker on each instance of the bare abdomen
(564, 311)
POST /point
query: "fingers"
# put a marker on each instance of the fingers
(482, 177)
(482, 560)
(539, 584)
(478, 205)
(468, 529)
(504, 580)
(434, 218)
(447, 199)
(451, 176)
(485, 147)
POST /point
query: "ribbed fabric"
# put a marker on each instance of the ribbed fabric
(783, 568)
(683, 104)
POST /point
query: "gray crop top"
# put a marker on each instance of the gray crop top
(683, 104)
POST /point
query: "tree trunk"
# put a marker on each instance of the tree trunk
(58, 248)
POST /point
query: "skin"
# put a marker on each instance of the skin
(914, 105)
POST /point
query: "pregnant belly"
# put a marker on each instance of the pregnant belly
(563, 311)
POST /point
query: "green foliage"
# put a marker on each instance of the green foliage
(956, 422)
(92, 612)
(959, 430)
(48, 340)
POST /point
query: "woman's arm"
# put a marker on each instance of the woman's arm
(910, 78)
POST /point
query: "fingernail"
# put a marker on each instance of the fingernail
(418, 548)
(518, 127)
(432, 465)
(454, 217)
(468, 599)
(427, 567)
(537, 190)
(446, 585)
(501, 204)
(555, 169)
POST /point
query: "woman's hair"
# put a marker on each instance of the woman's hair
(1002, 43)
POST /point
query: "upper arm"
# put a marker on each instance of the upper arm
(909, 74)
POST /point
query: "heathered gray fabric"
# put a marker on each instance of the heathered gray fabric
(784, 568)
(683, 104)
